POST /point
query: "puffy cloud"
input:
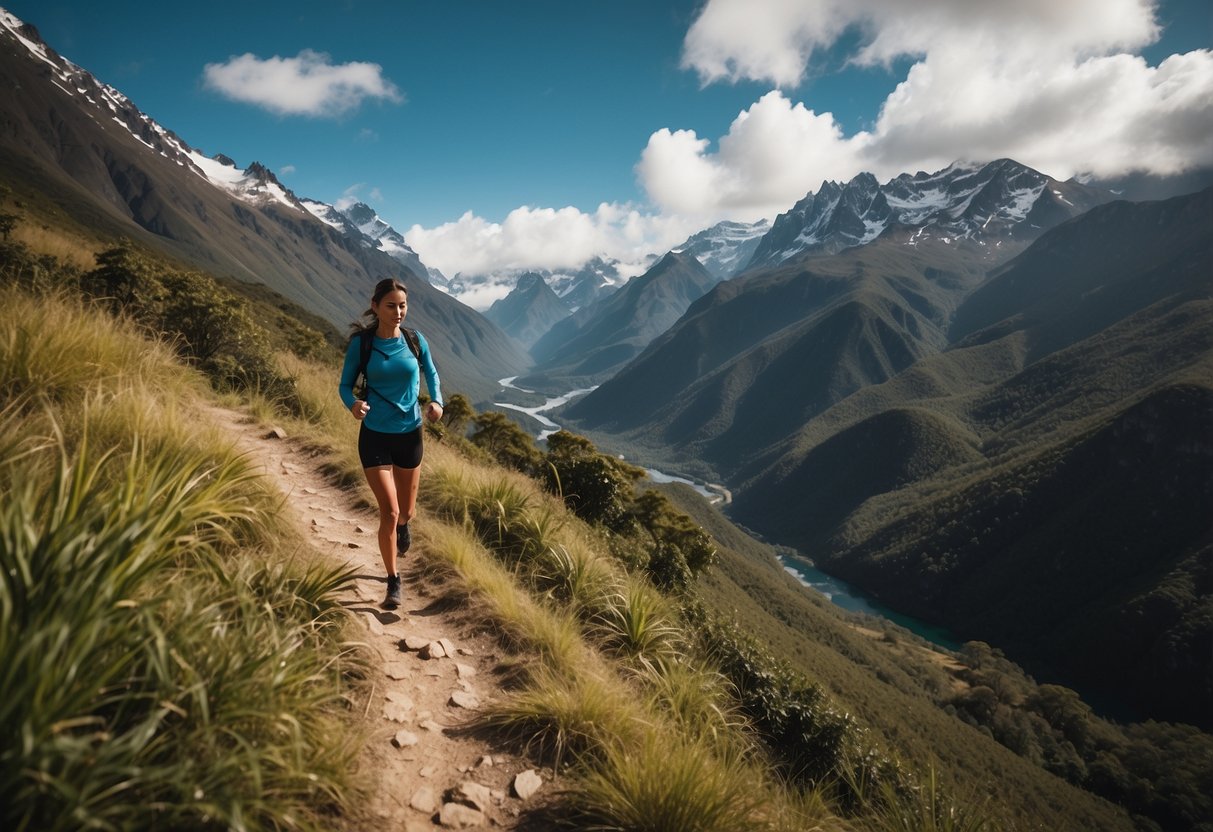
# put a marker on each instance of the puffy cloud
(308, 84)
(774, 40)
(1044, 82)
(544, 238)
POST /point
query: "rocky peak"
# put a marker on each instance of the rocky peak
(530, 283)
(963, 201)
(360, 213)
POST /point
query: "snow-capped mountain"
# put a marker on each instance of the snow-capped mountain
(255, 184)
(360, 220)
(725, 248)
(593, 280)
(983, 203)
(84, 147)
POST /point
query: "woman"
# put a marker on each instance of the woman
(389, 442)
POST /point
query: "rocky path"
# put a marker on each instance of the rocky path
(431, 670)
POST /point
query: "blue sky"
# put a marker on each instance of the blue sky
(510, 134)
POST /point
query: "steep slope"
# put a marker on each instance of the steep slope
(763, 353)
(597, 340)
(73, 145)
(1067, 480)
(529, 310)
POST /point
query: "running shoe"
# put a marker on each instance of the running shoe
(393, 593)
(403, 539)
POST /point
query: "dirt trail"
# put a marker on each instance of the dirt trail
(416, 755)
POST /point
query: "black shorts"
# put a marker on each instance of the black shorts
(400, 449)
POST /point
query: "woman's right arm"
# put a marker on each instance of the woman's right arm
(349, 370)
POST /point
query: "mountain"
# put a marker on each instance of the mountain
(597, 340)
(75, 147)
(761, 354)
(725, 248)
(391, 242)
(593, 280)
(1044, 483)
(988, 203)
(529, 310)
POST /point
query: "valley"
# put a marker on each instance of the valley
(949, 435)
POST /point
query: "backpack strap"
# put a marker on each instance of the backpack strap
(410, 338)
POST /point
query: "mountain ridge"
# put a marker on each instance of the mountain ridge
(71, 141)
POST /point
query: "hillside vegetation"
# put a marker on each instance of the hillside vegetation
(654, 726)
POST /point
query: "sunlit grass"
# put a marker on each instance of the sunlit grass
(665, 783)
(167, 658)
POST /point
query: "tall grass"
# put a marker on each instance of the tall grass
(164, 663)
(665, 783)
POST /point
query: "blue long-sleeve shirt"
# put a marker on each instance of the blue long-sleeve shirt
(394, 376)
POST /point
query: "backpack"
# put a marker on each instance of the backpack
(367, 343)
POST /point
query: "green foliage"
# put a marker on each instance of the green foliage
(457, 414)
(39, 273)
(1053, 727)
(681, 548)
(152, 679)
(125, 282)
(210, 326)
(813, 742)
(597, 488)
(506, 442)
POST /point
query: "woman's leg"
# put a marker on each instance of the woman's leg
(407, 480)
(384, 486)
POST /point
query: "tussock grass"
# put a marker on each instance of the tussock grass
(166, 662)
(651, 740)
(665, 783)
(924, 807)
(53, 242)
(556, 715)
(695, 700)
(638, 625)
(574, 575)
(525, 624)
(55, 347)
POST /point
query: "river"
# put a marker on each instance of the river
(842, 594)
(835, 590)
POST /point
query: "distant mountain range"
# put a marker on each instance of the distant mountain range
(597, 340)
(1021, 454)
(987, 203)
(81, 148)
(529, 310)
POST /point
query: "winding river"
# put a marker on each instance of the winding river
(835, 590)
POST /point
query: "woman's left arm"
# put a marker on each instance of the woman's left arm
(433, 410)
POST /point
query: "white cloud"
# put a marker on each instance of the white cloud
(286, 170)
(1051, 83)
(308, 84)
(353, 195)
(546, 238)
(1044, 82)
